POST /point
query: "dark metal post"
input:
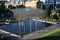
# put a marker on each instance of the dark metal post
(19, 29)
(24, 27)
(36, 21)
(30, 26)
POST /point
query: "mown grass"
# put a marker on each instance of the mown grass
(2, 38)
(53, 35)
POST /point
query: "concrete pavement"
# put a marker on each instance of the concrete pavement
(41, 32)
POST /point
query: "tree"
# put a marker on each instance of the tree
(21, 6)
(48, 11)
(51, 6)
(39, 4)
(3, 6)
(43, 6)
(5, 14)
(57, 10)
(54, 16)
(58, 13)
(12, 7)
(9, 13)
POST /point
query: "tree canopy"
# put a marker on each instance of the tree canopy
(5, 13)
(48, 11)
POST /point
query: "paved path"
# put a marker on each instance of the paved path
(8, 36)
(40, 32)
(33, 35)
(9, 33)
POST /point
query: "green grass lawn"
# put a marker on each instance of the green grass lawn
(2, 38)
(53, 35)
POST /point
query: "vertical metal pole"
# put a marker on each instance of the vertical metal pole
(41, 10)
(30, 26)
(36, 22)
(18, 1)
(22, 2)
(19, 29)
(23, 24)
(24, 27)
(2, 17)
(10, 1)
(55, 4)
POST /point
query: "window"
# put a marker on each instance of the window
(58, 0)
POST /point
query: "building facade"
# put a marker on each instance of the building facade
(48, 2)
(54, 3)
(31, 4)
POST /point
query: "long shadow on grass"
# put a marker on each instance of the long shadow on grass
(49, 38)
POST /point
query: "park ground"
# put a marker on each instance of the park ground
(53, 35)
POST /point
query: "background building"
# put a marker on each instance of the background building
(32, 3)
(55, 3)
